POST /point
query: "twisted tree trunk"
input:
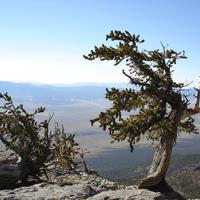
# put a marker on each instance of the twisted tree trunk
(161, 159)
(160, 163)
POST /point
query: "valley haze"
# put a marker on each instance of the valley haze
(73, 105)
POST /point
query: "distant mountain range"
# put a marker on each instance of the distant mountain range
(38, 92)
(54, 94)
(46, 93)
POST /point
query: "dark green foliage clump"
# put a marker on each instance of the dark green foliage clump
(33, 142)
(155, 99)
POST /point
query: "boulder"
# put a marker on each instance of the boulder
(80, 187)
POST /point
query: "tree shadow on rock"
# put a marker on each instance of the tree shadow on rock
(165, 189)
(9, 176)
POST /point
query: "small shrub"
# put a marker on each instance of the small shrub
(33, 142)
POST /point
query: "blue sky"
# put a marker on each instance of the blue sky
(44, 40)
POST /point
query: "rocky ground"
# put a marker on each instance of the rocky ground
(71, 185)
(81, 187)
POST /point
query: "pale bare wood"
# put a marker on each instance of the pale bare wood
(161, 159)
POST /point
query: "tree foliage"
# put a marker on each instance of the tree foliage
(66, 149)
(154, 97)
(33, 142)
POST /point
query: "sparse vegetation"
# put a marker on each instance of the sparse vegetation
(32, 141)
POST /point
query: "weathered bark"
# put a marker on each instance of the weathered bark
(160, 163)
(196, 107)
(161, 159)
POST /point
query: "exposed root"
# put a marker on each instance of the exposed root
(150, 181)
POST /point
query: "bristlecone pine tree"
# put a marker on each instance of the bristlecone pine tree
(33, 142)
(158, 108)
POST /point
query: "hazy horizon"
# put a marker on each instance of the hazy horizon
(65, 84)
(44, 41)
